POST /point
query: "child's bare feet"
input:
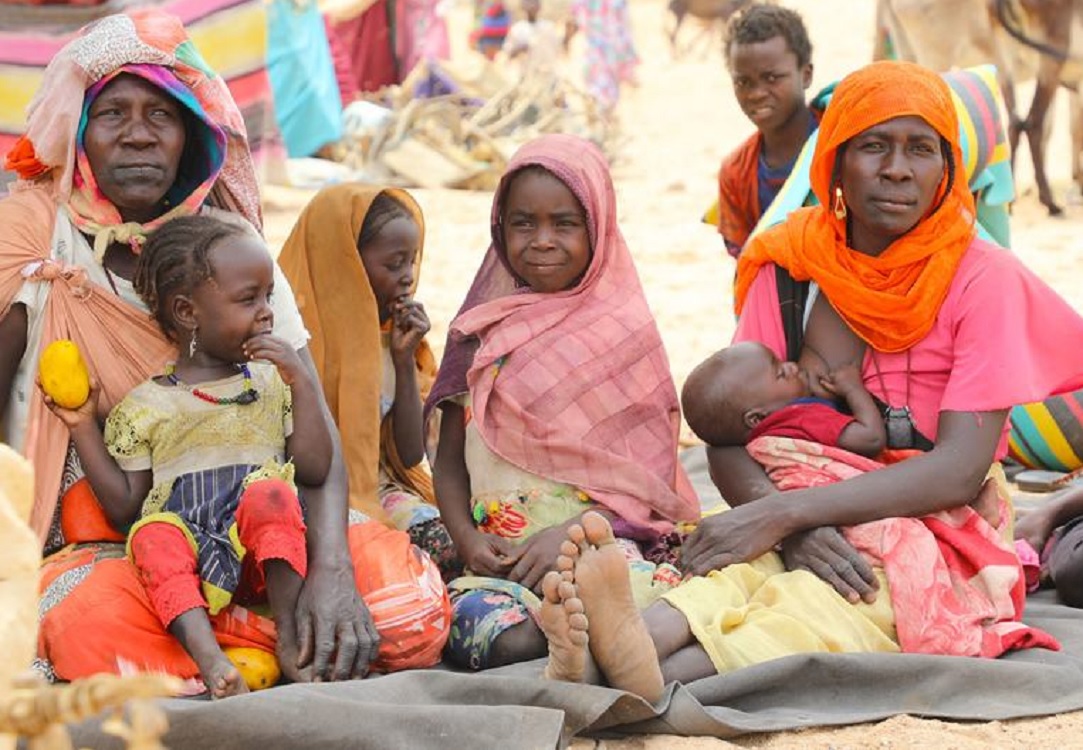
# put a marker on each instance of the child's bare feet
(222, 678)
(565, 628)
(619, 640)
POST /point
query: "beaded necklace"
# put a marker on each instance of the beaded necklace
(248, 394)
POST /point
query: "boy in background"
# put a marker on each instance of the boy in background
(769, 57)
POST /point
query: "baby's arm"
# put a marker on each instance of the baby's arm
(484, 554)
(866, 434)
(309, 445)
(120, 493)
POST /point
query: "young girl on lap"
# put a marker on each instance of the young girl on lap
(556, 399)
(199, 461)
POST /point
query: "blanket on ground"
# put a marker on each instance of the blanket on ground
(513, 707)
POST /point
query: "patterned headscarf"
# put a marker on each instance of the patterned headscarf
(153, 45)
(204, 155)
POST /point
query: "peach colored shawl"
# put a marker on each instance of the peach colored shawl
(890, 301)
(575, 385)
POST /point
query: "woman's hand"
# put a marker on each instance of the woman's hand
(336, 637)
(735, 536)
(409, 324)
(272, 349)
(487, 554)
(75, 418)
(825, 553)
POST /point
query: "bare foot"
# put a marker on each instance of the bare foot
(619, 640)
(223, 679)
(565, 628)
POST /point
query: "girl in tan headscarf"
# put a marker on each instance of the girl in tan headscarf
(353, 260)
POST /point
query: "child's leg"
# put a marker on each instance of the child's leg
(271, 528)
(491, 629)
(1065, 564)
(167, 567)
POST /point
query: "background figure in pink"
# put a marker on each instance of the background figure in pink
(421, 33)
(611, 56)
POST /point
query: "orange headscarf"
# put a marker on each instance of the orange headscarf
(336, 300)
(891, 301)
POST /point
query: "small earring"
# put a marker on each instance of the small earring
(192, 344)
(839, 204)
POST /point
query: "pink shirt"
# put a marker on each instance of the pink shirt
(1002, 337)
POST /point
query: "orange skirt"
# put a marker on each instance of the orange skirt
(96, 616)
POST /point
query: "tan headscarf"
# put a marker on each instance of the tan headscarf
(336, 300)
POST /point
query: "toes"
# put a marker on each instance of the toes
(576, 534)
(568, 548)
(566, 591)
(551, 585)
(596, 529)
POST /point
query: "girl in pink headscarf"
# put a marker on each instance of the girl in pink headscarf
(557, 399)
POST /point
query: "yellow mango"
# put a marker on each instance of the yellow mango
(64, 375)
(258, 668)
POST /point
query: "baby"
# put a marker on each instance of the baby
(743, 392)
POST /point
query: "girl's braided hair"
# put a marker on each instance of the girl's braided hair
(382, 211)
(175, 260)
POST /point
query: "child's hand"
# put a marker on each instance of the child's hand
(537, 556)
(843, 380)
(487, 554)
(409, 324)
(72, 418)
(279, 353)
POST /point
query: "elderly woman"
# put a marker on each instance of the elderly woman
(887, 273)
(131, 129)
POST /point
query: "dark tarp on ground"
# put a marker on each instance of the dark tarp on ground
(513, 708)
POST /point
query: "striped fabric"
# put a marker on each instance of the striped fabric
(1048, 434)
(231, 35)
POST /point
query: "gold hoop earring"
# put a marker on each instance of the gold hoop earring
(839, 204)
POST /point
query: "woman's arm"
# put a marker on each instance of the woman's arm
(948, 476)
(331, 618)
(12, 348)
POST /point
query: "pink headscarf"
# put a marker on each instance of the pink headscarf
(574, 385)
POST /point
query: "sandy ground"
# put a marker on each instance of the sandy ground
(676, 127)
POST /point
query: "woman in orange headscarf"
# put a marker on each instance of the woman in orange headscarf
(888, 274)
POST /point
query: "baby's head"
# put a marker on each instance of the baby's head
(389, 243)
(545, 235)
(531, 8)
(209, 280)
(769, 57)
(732, 391)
